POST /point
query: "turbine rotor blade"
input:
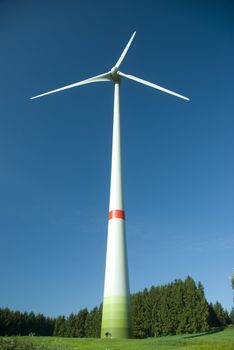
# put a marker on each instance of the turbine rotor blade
(131, 77)
(123, 54)
(97, 78)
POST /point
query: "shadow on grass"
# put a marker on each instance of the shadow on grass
(212, 331)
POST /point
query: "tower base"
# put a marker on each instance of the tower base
(116, 317)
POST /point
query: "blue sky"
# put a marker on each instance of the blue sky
(55, 152)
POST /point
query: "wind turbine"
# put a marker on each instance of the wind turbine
(116, 304)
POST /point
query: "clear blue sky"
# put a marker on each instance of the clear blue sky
(55, 152)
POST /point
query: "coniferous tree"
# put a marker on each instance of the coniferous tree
(178, 304)
(156, 324)
(4, 321)
(100, 318)
(202, 310)
(92, 324)
(227, 317)
(165, 310)
(232, 282)
(220, 313)
(80, 319)
(60, 327)
(71, 326)
(147, 307)
(188, 322)
(213, 319)
(232, 316)
(138, 312)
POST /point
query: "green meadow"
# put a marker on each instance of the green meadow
(214, 340)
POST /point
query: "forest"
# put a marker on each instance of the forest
(176, 308)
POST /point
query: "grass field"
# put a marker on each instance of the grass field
(219, 340)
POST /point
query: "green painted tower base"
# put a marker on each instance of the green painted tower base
(116, 318)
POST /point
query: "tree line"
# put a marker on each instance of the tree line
(27, 323)
(176, 308)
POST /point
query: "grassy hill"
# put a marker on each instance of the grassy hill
(216, 340)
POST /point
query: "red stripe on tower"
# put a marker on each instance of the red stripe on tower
(117, 214)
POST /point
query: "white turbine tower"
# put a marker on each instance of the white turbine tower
(116, 308)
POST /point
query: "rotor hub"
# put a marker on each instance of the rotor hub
(114, 73)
